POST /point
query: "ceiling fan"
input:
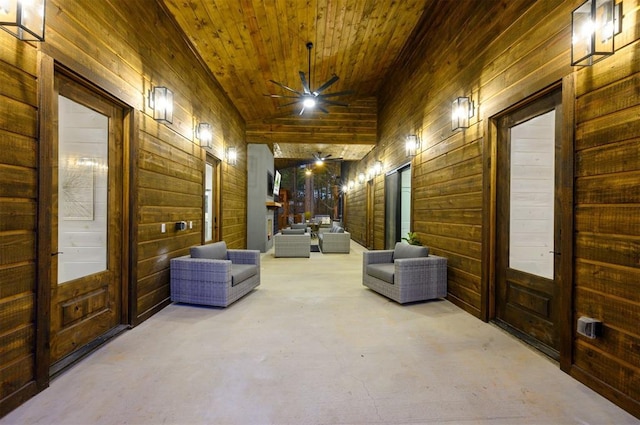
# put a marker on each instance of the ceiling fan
(310, 99)
(319, 158)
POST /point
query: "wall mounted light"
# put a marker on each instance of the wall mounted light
(361, 178)
(161, 101)
(593, 26)
(412, 144)
(377, 168)
(461, 111)
(345, 188)
(232, 155)
(205, 135)
(23, 19)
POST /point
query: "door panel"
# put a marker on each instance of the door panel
(87, 219)
(528, 213)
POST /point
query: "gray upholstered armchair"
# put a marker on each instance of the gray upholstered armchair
(405, 274)
(334, 240)
(214, 275)
(292, 243)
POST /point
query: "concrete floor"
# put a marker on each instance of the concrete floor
(311, 345)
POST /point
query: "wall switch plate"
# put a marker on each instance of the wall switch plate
(589, 327)
(163, 228)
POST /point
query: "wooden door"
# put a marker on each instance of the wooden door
(528, 223)
(87, 220)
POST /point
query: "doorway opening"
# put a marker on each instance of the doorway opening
(397, 205)
(529, 214)
(86, 175)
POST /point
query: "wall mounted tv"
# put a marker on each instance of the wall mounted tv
(269, 183)
(276, 185)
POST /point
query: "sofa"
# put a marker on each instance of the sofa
(214, 275)
(334, 240)
(406, 273)
(292, 243)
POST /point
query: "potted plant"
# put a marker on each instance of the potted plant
(412, 239)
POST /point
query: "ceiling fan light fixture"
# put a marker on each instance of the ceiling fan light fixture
(308, 98)
(309, 102)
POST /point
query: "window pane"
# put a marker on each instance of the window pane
(83, 136)
(532, 196)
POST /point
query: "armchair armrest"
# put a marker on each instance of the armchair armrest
(407, 269)
(244, 256)
(201, 269)
(378, 256)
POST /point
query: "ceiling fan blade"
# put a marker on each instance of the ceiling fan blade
(330, 102)
(286, 88)
(305, 84)
(322, 109)
(326, 85)
(278, 96)
(288, 104)
(338, 93)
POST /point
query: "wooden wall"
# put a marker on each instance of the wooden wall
(18, 210)
(607, 217)
(501, 53)
(125, 48)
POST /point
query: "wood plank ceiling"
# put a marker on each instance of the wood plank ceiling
(247, 43)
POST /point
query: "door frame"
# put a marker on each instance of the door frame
(370, 206)
(489, 219)
(48, 68)
(216, 191)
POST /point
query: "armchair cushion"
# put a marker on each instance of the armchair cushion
(404, 250)
(336, 228)
(293, 231)
(302, 226)
(214, 251)
(242, 272)
(383, 271)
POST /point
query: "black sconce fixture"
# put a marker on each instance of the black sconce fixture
(461, 111)
(23, 19)
(161, 101)
(205, 135)
(412, 144)
(593, 27)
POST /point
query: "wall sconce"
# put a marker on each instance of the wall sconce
(377, 168)
(205, 135)
(461, 111)
(161, 101)
(232, 155)
(345, 188)
(593, 26)
(361, 178)
(412, 144)
(23, 19)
